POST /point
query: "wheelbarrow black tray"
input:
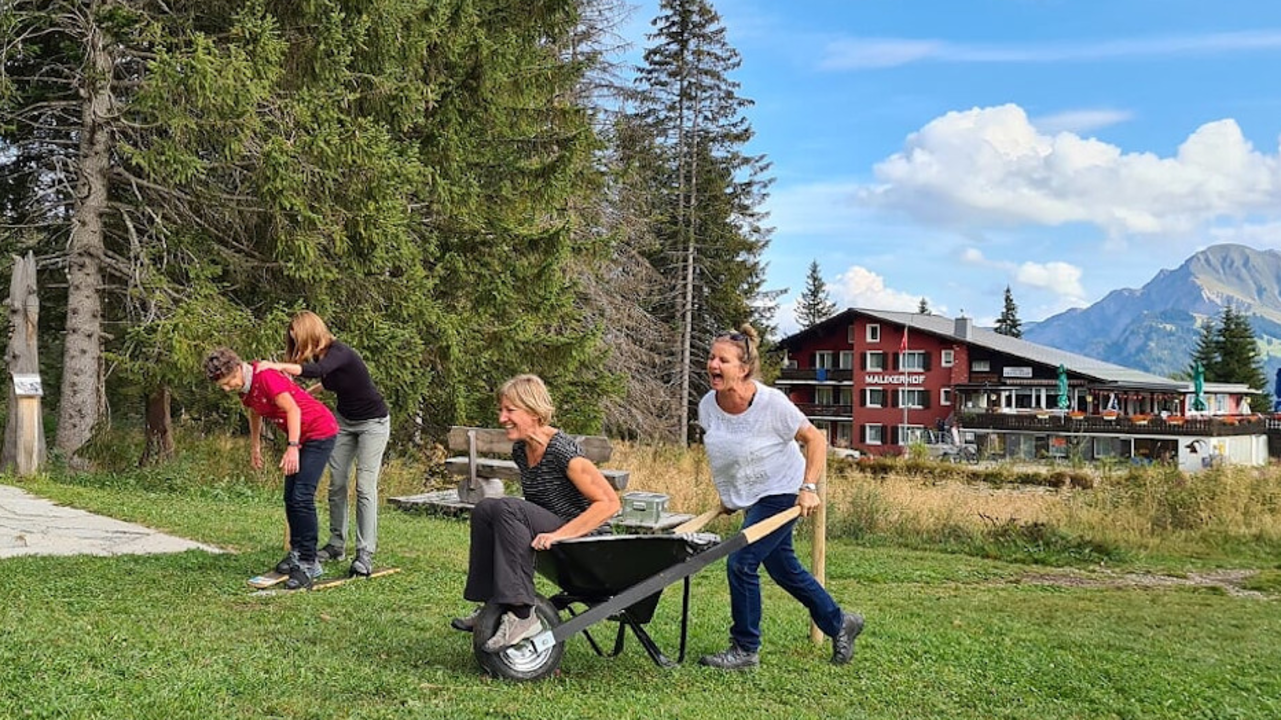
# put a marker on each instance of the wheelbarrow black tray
(594, 569)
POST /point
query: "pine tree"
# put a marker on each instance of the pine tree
(1239, 359)
(815, 304)
(923, 307)
(708, 224)
(1207, 351)
(1008, 323)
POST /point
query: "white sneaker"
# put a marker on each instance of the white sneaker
(512, 630)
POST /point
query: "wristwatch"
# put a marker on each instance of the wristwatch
(812, 487)
(294, 443)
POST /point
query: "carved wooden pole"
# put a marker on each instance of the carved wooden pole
(24, 445)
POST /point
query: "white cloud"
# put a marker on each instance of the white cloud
(868, 53)
(990, 166)
(860, 287)
(1078, 121)
(1060, 278)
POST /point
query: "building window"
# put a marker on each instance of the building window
(949, 357)
(874, 397)
(823, 360)
(873, 332)
(911, 398)
(913, 360)
(823, 395)
(980, 366)
(873, 434)
(945, 396)
(847, 396)
(874, 360)
(911, 434)
(847, 360)
(844, 434)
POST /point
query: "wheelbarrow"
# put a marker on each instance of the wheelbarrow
(615, 577)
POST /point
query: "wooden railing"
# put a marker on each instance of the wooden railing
(1053, 421)
(841, 376)
(817, 410)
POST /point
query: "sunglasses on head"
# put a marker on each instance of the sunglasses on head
(740, 337)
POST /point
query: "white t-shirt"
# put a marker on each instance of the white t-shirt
(753, 454)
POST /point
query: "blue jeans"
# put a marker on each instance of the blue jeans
(775, 552)
(300, 497)
(361, 442)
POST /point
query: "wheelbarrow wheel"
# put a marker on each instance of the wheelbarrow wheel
(520, 661)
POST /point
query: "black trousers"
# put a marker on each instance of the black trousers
(501, 564)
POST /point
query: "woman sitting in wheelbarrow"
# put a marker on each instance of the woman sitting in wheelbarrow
(751, 433)
(566, 496)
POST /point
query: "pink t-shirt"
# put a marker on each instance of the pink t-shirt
(317, 422)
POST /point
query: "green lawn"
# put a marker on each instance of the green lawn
(948, 636)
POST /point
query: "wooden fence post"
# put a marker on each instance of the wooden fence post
(819, 544)
(24, 442)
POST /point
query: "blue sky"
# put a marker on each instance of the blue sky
(946, 149)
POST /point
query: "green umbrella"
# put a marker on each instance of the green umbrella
(1198, 383)
(1064, 401)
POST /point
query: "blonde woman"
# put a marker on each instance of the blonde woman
(364, 427)
(565, 496)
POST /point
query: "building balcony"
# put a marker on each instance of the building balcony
(811, 375)
(815, 410)
(1052, 421)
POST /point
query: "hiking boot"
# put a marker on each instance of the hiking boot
(732, 658)
(330, 552)
(466, 623)
(285, 565)
(512, 630)
(843, 642)
(363, 564)
(302, 575)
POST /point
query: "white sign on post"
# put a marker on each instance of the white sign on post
(27, 385)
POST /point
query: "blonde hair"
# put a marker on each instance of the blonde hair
(307, 338)
(748, 344)
(529, 393)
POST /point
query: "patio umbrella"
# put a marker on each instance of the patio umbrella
(1064, 401)
(1198, 384)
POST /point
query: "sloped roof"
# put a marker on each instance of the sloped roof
(984, 337)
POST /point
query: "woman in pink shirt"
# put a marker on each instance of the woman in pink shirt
(310, 429)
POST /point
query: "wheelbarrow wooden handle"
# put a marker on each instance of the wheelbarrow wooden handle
(693, 525)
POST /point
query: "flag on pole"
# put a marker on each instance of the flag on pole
(902, 346)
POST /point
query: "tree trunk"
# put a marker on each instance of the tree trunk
(24, 442)
(159, 428)
(78, 411)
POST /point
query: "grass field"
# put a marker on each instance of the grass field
(950, 633)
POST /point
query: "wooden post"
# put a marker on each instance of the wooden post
(24, 442)
(819, 544)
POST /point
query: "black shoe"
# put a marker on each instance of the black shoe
(732, 658)
(843, 643)
(363, 564)
(301, 577)
(330, 552)
(285, 565)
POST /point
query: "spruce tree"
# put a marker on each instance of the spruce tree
(708, 223)
(1206, 351)
(1008, 323)
(1239, 359)
(923, 307)
(815, 304)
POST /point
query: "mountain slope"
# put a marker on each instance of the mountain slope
(1155, 328)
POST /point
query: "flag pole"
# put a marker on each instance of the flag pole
(902, 397)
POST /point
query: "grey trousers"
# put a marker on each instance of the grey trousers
(362, 442)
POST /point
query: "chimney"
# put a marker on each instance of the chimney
(963, 327)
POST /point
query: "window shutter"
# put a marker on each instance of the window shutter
(862, 433)
(862, 360)
(896, 356)
(862, 399)
(925, 399)
(928, 357)
(894, 434)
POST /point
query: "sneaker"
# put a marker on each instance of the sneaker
(330, 552)
(285, 565)
(466, 623)
(301, 576)
(512, 630)
(843, 643)
(363, 564)
(732, 658)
